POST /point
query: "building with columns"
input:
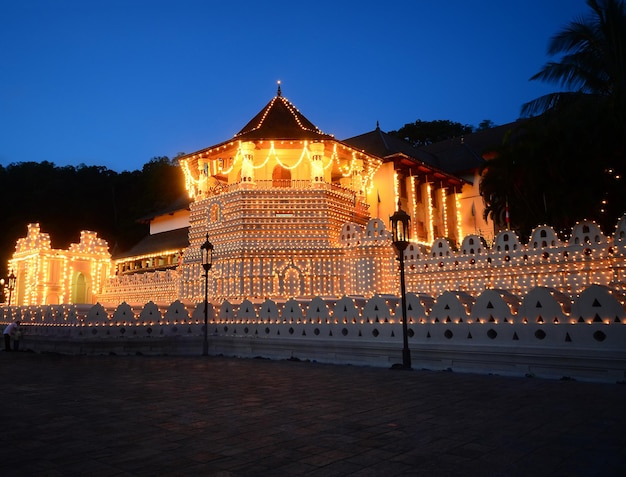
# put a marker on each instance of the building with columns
(303, 265)
(277, 198)
(280, 202)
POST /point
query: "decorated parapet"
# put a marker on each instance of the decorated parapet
(587, 257)
(365, 258)
(543, 332)
(541, 305)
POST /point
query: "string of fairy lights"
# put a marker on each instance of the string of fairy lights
(349, 163)
(282, 241)
(292, 110)
(441, 212)
(587, 258)
(47, 275)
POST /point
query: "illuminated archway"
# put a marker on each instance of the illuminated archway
(79, 288)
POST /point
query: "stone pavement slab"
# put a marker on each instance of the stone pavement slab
(215, 416)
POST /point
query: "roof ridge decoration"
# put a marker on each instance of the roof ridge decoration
(280, 119)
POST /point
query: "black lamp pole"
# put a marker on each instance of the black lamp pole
(400, 236)
(207, 261)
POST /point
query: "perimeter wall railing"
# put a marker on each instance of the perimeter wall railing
(544, 333)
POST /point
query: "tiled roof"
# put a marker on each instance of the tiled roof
(170, 240)
(391, 148)
(384, 145)
(454, 156)
(460, 154)
(280, 119)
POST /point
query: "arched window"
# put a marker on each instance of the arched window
(281, 177)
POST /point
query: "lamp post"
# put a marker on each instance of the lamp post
(207, 260)
(11, 285)
(400, 236)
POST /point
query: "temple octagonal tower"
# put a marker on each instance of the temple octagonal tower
(273, 201)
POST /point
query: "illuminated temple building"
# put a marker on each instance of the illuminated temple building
(293, 212)
(280, 202)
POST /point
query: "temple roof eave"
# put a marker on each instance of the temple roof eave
(401, 160)
(403, 155)
(234, 143)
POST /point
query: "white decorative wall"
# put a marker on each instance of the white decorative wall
(543, 333)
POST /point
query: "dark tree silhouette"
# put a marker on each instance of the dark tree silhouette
(568, 163)
(422, 133)
(66, 200)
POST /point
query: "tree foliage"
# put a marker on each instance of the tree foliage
(568, 163)
(65, 200)
(422, 133)
(484, 125)
(593, 60)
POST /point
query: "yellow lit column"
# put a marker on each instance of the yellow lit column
(247, 166)
(459, 224)
(396, 188)
(444, 211)
(414, 207)
(317, 167)
(429, 202)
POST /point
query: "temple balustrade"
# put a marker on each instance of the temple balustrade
(263, 184)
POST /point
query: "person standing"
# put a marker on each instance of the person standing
(9, 332)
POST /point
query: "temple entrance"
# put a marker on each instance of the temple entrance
(79, 288)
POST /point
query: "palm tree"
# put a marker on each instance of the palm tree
(568, 162)
(515, 180)
(592, 69)
(593, 61)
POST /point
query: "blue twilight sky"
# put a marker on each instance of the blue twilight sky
(115, 83)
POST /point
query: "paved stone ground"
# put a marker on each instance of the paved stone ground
(160, 416)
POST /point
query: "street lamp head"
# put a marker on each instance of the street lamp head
(207, 254)
(400, 229)
(11, 281)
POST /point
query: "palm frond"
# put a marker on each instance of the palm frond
(593, 56)
(540, 105)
